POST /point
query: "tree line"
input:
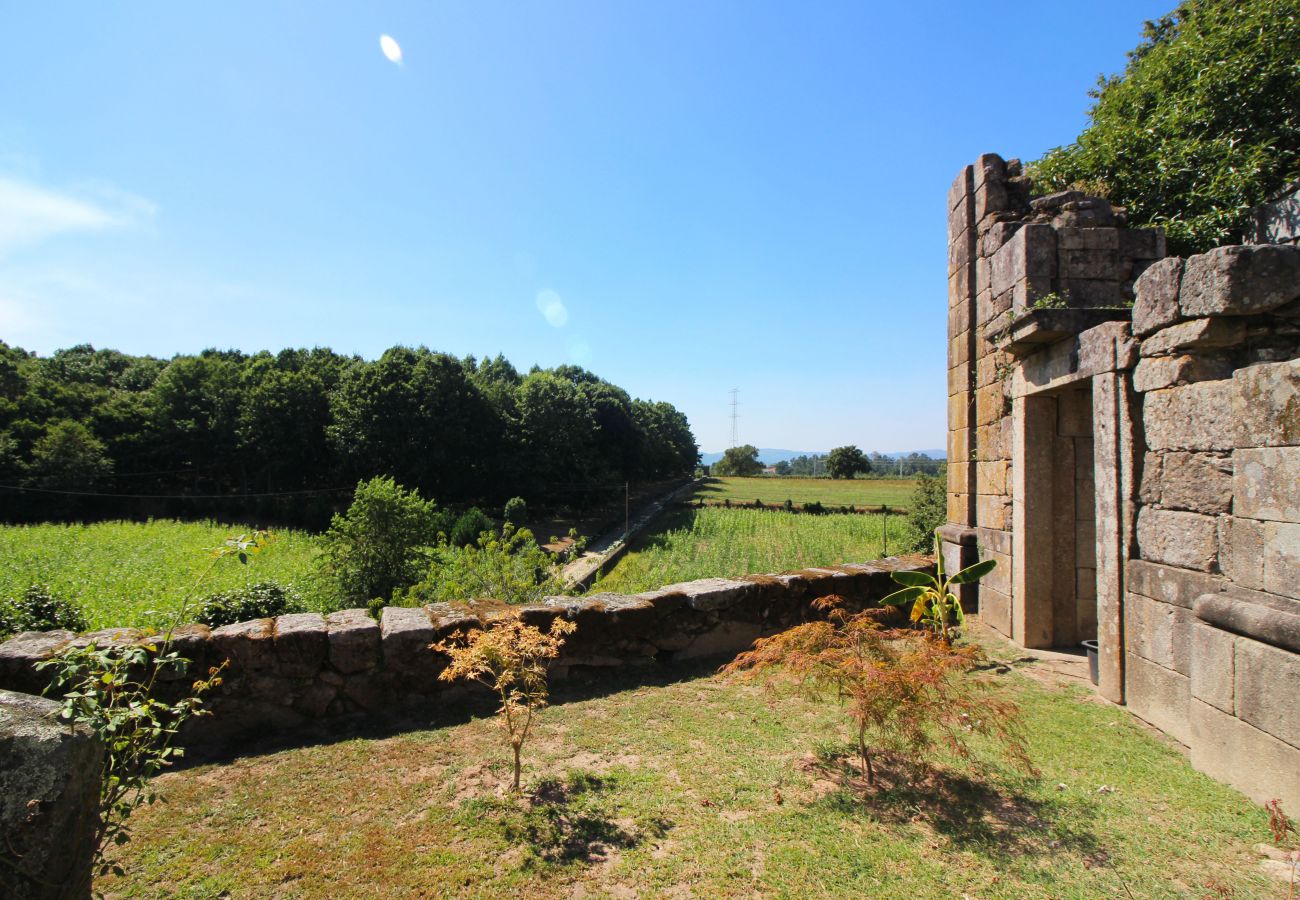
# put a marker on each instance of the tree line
(283, 437)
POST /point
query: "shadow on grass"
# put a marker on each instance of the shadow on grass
(566, 821)
(449, 708)
(995, 820)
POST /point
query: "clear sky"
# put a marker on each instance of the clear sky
(684, 197)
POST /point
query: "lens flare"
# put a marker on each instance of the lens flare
(391, 49)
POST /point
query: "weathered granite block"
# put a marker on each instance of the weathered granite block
(250, 646)
(20, 654)
(1282, 559)
(1170, 585)
(1198, 482)
(405, 636)
(1142, 243)
(1240, 280)
(1265, 404)
(1193, 417)
(1088, 238)
(1159, 632)
(49, 800)
(1266, 483)
(1212, 655)
(354, 641)
(1267, 688)
(1158, 695)
(710, 594)
(1184, 539)
(301, 644)
(1031, 251)
(1254, 762)
(1197, 334)
(1155, 373)
(1241, 551)
(1156, 303)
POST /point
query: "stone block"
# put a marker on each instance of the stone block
(995, 610)
(1266, 483)
(994, 541)
(1159, 632)
(1197, 482)
(354, 641)
(960, 253)
(1028, 291)
(20, 654)
(960, 190)
(960, 478)
(1212, 656)
(1259, 616)
(1252, 761)
(959, 350)
(1241, 280)
(1141, 243)
(250, 646)
(1155, 373)
(1282, 559)
(49, 797)
(1265, 405)
(1170, 585)
(991, 309)
(1152, 467)
(959, 381)
(711, 594)
(1159, 696)
(1000, 578)
(993, 511)
(1031, 251)
(1156, 292)
(991, 477)
(1089, 264)
(1241, 551)
(1267, 688)
(1192, 417)
(405, 636)
(990, 404)
(995, 237)
(958, 448)
(1183, 539)
(958, 315)
(1087, 238)
(959, 507)
(301, 644)
(1196, 334)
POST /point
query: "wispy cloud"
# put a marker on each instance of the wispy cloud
(31, 213)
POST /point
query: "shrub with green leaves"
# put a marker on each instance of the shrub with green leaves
(927, 510)
(516, 510)
(1203, 124)
(39, 609)
(262, 600)
(509, 566)
(382, 543)
(472, 523)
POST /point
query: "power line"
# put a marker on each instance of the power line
(735, 417)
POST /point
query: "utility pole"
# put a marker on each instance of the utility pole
(735, 417)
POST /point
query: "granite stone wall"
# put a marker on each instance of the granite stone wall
(308, 669)
(1165, 435)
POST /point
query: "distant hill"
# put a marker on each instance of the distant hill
(771, 456)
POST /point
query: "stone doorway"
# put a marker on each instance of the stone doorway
(1056, 503)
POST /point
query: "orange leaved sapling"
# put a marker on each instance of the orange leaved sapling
(509, 658)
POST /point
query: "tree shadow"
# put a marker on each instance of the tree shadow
(567, 821)
(999, 821)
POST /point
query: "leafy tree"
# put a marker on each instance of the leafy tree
(1203, 123)
(468, 526)
(382, 543)
(783, 467)
(927, 509)
(516, 510)
(910, 694)
(845, 462)
(68, 457)
(510, 659)
(742, 460)
(510, 567)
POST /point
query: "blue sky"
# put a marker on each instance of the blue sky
(683, 197)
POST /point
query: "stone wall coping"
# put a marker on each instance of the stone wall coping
(1263, 617)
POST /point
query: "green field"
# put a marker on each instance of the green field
(685, 785)
(858, 492)
(136, 574)
(687, 543)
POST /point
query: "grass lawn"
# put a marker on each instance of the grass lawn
(136, 573)
(857, 492)
(688, 543)
(689, 786)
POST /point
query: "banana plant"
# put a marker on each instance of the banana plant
(934, 605)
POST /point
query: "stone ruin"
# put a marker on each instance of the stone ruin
(1124, 439)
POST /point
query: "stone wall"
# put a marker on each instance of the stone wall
(1166, 436)
(49, 797)
(295, 670)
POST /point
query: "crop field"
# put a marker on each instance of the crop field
(138, 573)
(858, 492)
(688, 543)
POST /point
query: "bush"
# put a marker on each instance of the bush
(516, 511)
(38, 609)
(381, 544)
(471, 523)
(262, 600)
(927, 510)
(509, 567)
(815, 508)
(1203, 124)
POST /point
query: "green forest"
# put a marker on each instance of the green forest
(284, 438)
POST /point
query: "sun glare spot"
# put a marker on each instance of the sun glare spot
(552, 308)
(391, 49)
